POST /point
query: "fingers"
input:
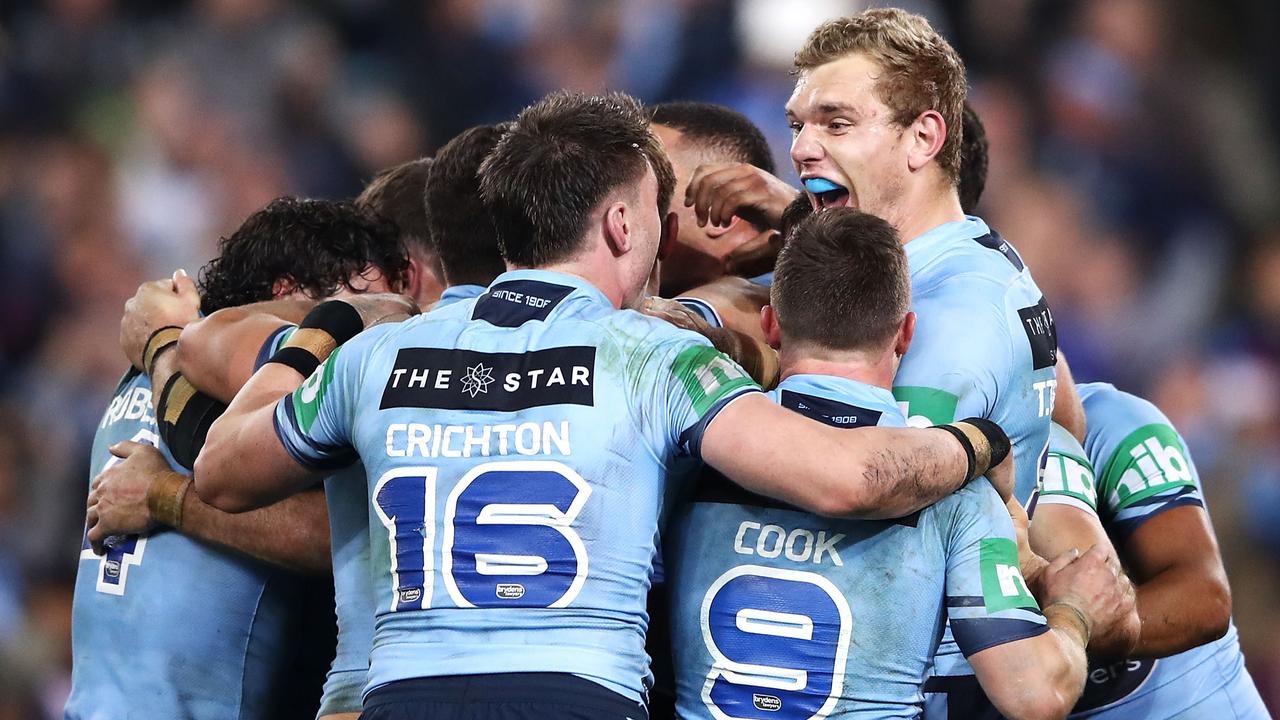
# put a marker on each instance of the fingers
(706, 186)
(185, 286)
(122, 449)
(94, 533)
(1063, 560)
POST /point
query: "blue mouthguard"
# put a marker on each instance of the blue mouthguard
(820, 185)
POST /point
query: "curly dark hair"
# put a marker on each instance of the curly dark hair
(315, 246)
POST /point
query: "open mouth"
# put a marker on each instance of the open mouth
(826, 193)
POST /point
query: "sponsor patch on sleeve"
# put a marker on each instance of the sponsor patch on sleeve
(925, 406)
(1002, 585)
(708, 376)
(1150, 461)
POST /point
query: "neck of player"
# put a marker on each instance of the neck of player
(872, 368)
(925, 207)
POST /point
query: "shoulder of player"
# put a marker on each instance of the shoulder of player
(1113, 410)
(977, 500)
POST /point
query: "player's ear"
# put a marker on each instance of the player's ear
(927, 136)
(905, 334)
(715, 233)
(413, 278)
(617, 229)
(769, 324)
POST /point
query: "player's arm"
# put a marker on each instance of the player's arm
(1183, 596)
(141, 492)
(1068, 409)
(219, 352)
(873, 473)
(290, 440)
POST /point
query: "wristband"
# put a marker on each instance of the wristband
(165, 496)
(327, 326)
(159, 341)
(984, 442)
(1085, 627)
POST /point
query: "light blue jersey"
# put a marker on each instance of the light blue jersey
(354, 601)
(517, 451)
(1143, 468)
(164, 626)
(985, 345)
(778, 613)
(705, 309)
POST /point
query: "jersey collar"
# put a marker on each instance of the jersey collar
(923, 249)
(842, 390)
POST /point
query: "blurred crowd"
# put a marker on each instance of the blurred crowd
(1134, 162)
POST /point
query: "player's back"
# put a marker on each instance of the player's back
(164, 626)
(778, 613)
(517, 450)
(1143, 469)
(985, 343)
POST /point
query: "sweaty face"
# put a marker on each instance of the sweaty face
(844, 134)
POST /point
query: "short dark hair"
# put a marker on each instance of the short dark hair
(460, 222)
(560, 159)
(841, 282)
(315, 246)
(795, 211)
(718, 128)
(396, 194)
(973, 160)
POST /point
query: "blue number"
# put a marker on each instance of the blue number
(778, 640)
(508, 540)
(405, 503)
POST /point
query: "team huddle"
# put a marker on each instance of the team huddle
(591, 416)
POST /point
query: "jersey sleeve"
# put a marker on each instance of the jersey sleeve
(1149, 472)
(272, 344)
(690, 382)
(1068, 475)
(314, 422)
(988, 602)
(703, 308)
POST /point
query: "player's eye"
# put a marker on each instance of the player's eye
(839, 125)
(796, 126)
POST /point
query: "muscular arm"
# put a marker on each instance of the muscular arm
(1173, 557)
(1036, 677)
(1068, 410)
(1059, 528)
(245, 437)
(216, 353)
(293, 533)
(863, 473)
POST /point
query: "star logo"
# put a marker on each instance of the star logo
(477, 380)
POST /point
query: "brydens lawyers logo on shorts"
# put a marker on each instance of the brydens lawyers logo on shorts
(471, 380)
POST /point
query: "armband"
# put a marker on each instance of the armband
(184, 415)
(163, 339)
(328, 325)
(985, 443)
(165, 496)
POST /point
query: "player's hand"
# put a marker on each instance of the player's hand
(378, 308)
(118, 496)
(157, 304)
(1002, 478)
(676, 314)
(1093, 584)
(719, 191)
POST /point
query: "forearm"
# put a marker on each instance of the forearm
(1170, 624)
(1038, 677)
(217, 353)
(293, 533)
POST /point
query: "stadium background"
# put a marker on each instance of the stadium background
(1134, 163)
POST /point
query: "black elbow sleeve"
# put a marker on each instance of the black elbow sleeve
(184, 415)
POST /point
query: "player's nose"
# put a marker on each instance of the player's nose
(806, 147)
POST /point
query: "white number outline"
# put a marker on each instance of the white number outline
(428, 529)
(778, 625)
(145, 437)
(546, 515)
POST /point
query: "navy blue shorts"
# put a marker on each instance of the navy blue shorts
(503, 696)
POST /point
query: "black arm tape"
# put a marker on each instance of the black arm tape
(339, 319)
(298, 359)
(958, 434)
(184, 416)
(996, 438)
